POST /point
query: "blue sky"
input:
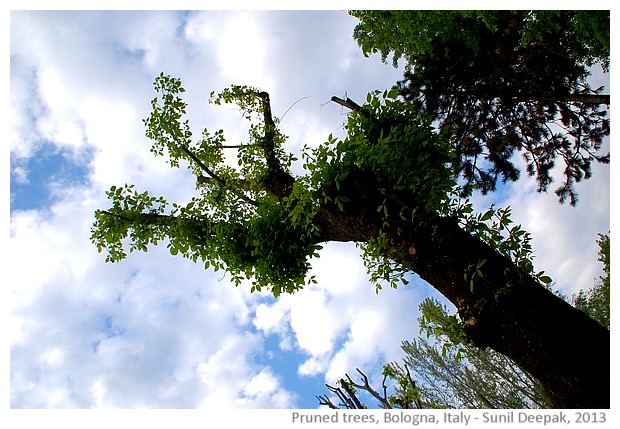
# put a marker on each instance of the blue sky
(157, 331)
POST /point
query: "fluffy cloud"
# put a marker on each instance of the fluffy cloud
(341, 323)
(151, 332)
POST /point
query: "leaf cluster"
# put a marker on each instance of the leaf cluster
(496, 228)
(436, 322)
(595, 302)
(129, 206)
(406, 395)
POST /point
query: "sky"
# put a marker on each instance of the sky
(155, 330)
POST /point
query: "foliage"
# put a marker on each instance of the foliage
(595, 302)
(233, 223)
(406, 393)
(437, 323)
(407, 34)
(393, 146)
(495, 227)
(502, 82)
(481, 379)
(391, 159)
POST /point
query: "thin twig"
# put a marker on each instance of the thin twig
(215, 177)
(282, 117)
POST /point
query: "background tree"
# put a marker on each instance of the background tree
(458, 375)
(595, 302)
(387, 186)
(503, 82)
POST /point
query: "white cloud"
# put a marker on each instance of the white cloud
(230, 384)
(341, 323)
(242, 46)
(137, 334)
(313, 323)
(268, 318)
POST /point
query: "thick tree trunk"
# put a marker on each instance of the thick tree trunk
(510, 312)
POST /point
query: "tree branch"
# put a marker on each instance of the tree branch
(202, 165)
(277, 181)
(417, 402)
(345, 401)
(350, 104)
(143, 218)
(240, 184)
(213, 176)
(346, 385)
(588, 98)
(324, 400)
(366, 386)
(273, 164)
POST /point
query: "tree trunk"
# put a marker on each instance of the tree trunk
(567, 351)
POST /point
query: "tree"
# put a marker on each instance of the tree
(387, 186)
(595, 302)
(503, 82)
(452, 372)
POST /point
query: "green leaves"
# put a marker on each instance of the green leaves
(233, 223)
(381, 269)
(135, 215)
(494, 227)
(391, 162)
(164, 126)
(435, 321)
(474, 272)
